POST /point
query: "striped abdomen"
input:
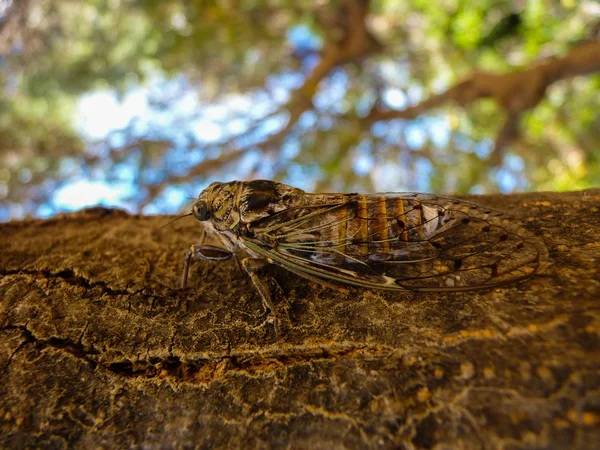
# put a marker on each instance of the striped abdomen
(384, 227)
(347, 229)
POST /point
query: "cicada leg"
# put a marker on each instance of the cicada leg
(252, 266)
(203, 252)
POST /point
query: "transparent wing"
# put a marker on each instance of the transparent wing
(415, 242)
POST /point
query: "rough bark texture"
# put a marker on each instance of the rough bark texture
(99, 348)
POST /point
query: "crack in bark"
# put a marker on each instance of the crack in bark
(68, 345)
(69, 276)
(198, 371)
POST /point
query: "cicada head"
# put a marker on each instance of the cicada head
(218, 204)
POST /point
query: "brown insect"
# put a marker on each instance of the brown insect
(394, 241)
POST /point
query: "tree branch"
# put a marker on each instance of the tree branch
(355, 44)
(514, 92)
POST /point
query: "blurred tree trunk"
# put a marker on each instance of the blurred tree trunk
(100, 348)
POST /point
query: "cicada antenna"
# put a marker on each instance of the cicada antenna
(175, 219)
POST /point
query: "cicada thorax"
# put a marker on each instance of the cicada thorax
(238, 204)
(263, 198)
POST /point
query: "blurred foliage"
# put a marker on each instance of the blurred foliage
(220, 78)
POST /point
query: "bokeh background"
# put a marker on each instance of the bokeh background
(140, 104)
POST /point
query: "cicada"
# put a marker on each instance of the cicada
(394, 241)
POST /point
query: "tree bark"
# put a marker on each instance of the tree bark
(100, 348)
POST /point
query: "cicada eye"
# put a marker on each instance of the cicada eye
(200, 211)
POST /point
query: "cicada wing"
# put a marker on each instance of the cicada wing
(325, 271)
(413, 242)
